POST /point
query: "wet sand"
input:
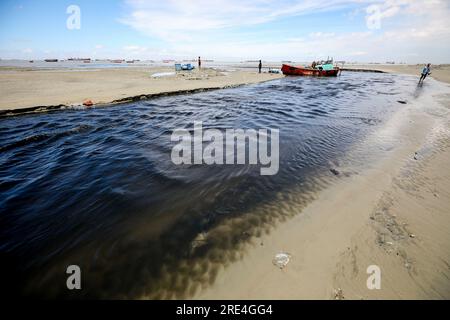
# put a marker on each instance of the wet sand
(27, 88)
(394, 214)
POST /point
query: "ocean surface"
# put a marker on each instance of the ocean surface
(97, 188)
(105, 64)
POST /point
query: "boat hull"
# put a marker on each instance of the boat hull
(299, 71)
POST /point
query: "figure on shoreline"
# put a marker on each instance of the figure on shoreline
(199, 63)
(425, 72)
(260, 66)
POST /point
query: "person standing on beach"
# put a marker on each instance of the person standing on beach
(425, 72)
(260, 66)
(199, 63)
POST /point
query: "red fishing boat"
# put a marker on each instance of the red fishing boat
(302, 71)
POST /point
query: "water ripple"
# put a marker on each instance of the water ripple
(97, 188)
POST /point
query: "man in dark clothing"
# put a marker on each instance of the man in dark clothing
(199, 63)
(260, 66)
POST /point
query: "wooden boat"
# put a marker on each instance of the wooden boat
(302, 71)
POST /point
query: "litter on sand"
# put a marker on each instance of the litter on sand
(88, 103)
(281, 259)
(185, 67)
(163, 74)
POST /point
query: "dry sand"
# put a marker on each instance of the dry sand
(25, 88)
(394, 214)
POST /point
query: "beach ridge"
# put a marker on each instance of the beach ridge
(45, 90)
(140, 97)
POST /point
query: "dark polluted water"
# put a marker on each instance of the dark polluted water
(97, 188)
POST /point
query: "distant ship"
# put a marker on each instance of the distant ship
(85, 60)
(79, 59)
(51, 60)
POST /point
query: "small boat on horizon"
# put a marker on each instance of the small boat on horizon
(51, 60)
(79, 59)
(319, 71)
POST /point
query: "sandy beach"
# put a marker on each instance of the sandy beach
(216, 151)
(27, 88)
(394, 215)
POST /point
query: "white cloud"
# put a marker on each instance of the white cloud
(208, 27)
(172, 20)
(358, 53)
(410, 30)
(322, 35)
(133, 48)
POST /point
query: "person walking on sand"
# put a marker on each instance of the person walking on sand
(425, 72)
(260, 66)
(199, 63)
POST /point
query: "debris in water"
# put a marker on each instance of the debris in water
(199, 241)
(334, 171)
(281, 260)
(401, 101)
(88, 103)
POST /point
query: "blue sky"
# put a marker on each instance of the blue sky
(302, 30)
